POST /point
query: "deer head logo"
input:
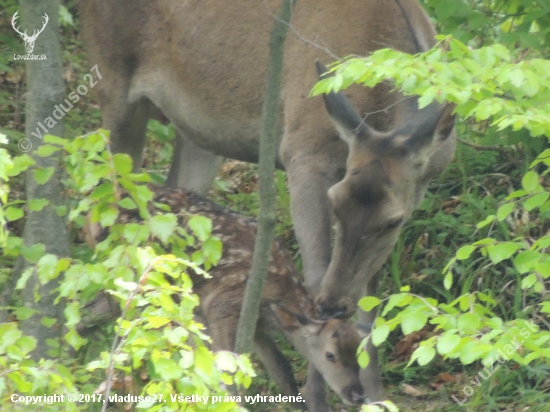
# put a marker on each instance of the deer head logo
(29, 40)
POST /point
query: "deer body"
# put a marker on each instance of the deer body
(203, 64)
(285, 305)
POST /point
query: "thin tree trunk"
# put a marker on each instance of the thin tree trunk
(45, 89)
(268, 194)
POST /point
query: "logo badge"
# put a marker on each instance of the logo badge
(29, 40)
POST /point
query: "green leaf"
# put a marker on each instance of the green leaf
(123, 164)
(535, 201)
(399, 299)
(504, 211)
(47, 266)
(10, 334)
(61, 210)
(65, 17)
(413, 322)
(74, 339)
(26, 344)
(20, 164)
(528, 281)
(127, 203)
(363, 359)
(526, 260)
(468, 322)
(471, 352)
(423, 355)
(501, 251)
(48, 322)
(13, 213)
(135, 232)
(545, 307)
(380, 334)
(72, 314)
(226, 361)
(212, 249)
(372, 408)
(204, 360)
(187, 359)
(36, 205)
(488, 219)
(530, 181)
(447, 343)
(464, 252)
(108, 217)
(368, 302)
(23, 313)
(33, 253)
(46, 150)
(163, 226)
(543, 268)
(494, 323)
(157, 321)
(42, 175)
(22, 281)
(448, 281)
(201, 227)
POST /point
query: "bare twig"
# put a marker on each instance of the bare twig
(481, 147)
(300, 36)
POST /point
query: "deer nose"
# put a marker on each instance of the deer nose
(331, 312)
(359, 396)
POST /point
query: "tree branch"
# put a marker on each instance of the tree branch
(268, 194)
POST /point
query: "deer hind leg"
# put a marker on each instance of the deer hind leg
(192, 167)
(370, 377)
(276, 365)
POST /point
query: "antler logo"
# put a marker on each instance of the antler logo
(29, 40)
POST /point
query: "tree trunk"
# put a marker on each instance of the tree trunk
(45, 89)
(268, 194)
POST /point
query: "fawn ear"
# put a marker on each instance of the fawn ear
(291, 321)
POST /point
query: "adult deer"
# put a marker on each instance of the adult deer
(330, 344)
(202, 63)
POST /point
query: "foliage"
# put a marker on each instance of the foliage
(156, 334)
(516, 24)
(485, 84)
(466, 328)
(5, 165)
(502, 93)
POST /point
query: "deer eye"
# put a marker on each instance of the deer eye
(394, 223)
(330, 357)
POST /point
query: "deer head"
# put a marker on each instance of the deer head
(331, 345)
(29, 40)
(386, 176)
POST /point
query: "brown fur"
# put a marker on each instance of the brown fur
(221, 297)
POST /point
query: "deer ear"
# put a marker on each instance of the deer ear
(432, 132)
(446, 123)
(343, 115)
